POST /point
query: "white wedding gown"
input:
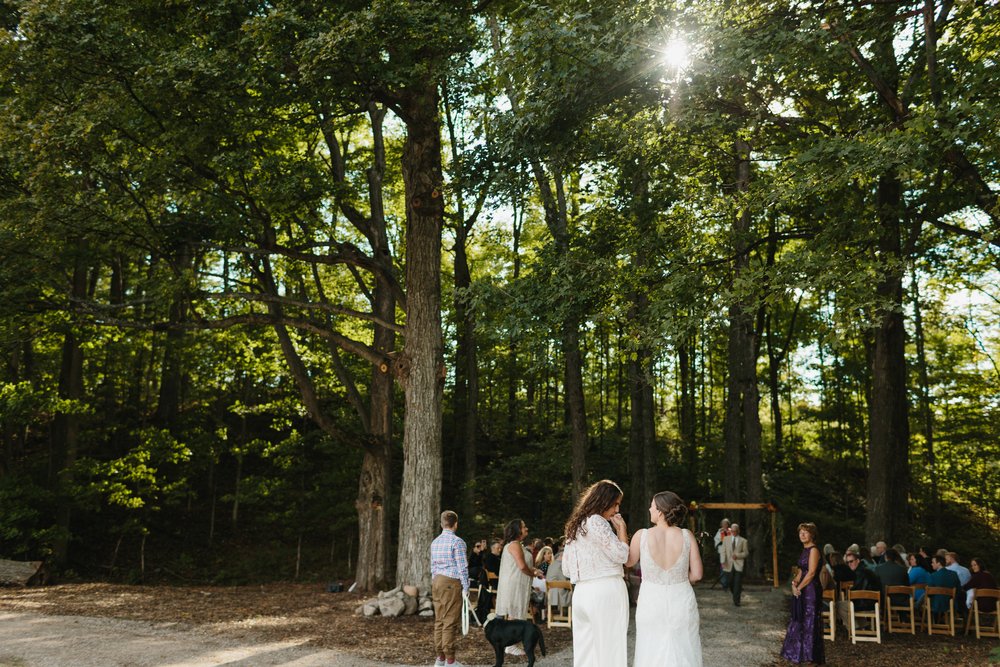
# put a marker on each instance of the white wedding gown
(666, 617)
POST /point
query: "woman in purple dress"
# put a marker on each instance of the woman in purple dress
(804, 639)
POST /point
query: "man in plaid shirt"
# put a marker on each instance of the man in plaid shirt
(449, 580)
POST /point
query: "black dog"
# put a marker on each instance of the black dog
(501, 634)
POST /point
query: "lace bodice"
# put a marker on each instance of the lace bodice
(653, 573)
(595, 554)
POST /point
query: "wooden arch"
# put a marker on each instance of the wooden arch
(770, 507)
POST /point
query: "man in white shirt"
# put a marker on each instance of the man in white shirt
(963, 572)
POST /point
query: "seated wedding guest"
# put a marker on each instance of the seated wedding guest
(951, 558)
(864, 580)
(892, 573)
(981, 578)
(942, 576)
(865, 554)
(491, 559)
(544, 559)
(903, 555)
(827, 550)
(476, 560)
(925, 552)
(918, 574)
(841, 571)
(878, 552)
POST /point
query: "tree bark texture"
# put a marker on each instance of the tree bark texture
(889, 434)
(743, 429)
(422, 362)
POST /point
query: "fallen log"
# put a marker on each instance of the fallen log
(19, 573)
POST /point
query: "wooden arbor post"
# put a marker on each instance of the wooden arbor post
(770, 507)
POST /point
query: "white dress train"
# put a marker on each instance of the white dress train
(666, 616)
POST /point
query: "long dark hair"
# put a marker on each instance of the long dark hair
(512, 532)
(596, 499)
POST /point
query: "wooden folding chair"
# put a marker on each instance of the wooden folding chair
(562, 617)
(977, 615)
(843, 589)
(865, 635)
(830, 615)
(899, 617)
(947, 626)
(492, 581)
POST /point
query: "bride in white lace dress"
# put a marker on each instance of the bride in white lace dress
(666, 617)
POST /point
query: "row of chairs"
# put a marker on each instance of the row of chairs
(903, 617)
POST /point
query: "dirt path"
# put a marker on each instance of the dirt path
(746, 636)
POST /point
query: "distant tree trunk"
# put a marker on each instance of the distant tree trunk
(926, 411)
(743, 429)
(172, 369)
(688, 411)
(512, 348)
(888, 469)
(422, 362)
(66, 425)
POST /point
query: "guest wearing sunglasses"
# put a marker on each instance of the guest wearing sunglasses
(864, 580)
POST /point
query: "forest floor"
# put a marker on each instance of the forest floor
(106, 625)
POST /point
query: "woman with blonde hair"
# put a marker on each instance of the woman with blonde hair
(667, 624)
(596, 550)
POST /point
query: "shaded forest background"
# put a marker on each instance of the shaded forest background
(281, 280)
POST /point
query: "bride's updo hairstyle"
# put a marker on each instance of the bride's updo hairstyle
(598, 498)
(673, 508)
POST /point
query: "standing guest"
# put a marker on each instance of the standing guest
(720, 537)
(737, 550)
(918, 574)
(449, 581)
(864, 580)
(942, 576)
(666, 616)
(804, 637)
(516, 573)
(596, 549)
(981, 578)
(951, 558)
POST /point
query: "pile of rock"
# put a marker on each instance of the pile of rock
(400, 601)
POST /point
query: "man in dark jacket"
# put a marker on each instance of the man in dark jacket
(864, 580)
(892, 573)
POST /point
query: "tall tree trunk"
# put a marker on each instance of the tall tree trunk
(688, 412)
(889, 439)
(172, 369)
(66, 425)
(926, 410)
(742, 418)
(421, 364)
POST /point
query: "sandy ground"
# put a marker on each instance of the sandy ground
(746, 636)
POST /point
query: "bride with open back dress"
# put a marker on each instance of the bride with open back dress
(666, 616)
